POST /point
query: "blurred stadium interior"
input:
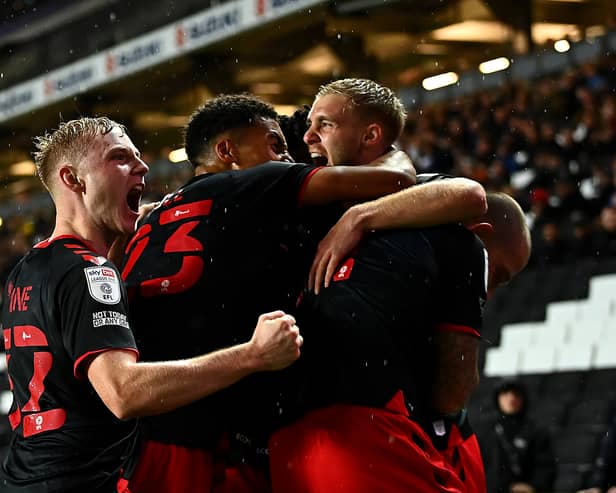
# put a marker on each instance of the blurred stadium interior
(542, 127)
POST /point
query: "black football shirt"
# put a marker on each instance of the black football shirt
(213, 256)
(370, 333)
(63, 303)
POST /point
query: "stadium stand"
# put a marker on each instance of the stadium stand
(551, 143)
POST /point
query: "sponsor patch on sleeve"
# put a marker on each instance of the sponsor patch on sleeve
(103, 284)
(108, 317)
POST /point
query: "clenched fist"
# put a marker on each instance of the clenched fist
(276, 341)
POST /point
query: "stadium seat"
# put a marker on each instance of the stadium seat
(594, 414)
(538, 359)
(577, 448)
(600, 383)
(594, 312)
(533, 385)
(562, 386)
(603, 287)
(587, 331)
(548, 335)
(562, 313)
(519, 335)
(549, 414)
(605, 353)
(569, 478)
(575, 356)
(501, 362)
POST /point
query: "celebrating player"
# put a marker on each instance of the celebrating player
(72, 359)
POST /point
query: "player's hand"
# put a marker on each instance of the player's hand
(394, 159)
(276, 341)
(339, 242)
(145, 209)
(597, 490)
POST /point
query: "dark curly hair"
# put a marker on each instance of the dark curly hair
(224, 112)
(294, 127)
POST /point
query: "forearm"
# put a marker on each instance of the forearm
(134, 389)
(440, 202)
(353, 184)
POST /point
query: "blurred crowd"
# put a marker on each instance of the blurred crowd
(551, 143)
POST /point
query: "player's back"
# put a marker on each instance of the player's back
(360, 331)
(370, 333)
(207, 262)
(57, 313)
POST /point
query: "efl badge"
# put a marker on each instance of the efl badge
(103, 284)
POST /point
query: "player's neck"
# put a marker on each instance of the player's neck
(86, 232)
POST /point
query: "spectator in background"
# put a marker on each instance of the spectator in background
(607, 232)
(603, 478)
(581, 242)
(518, 455)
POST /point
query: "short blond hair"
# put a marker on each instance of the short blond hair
(69, 143)
(372, 100)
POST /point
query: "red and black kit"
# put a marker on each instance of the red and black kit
(368, 360)
(63, 304)
(212, 257)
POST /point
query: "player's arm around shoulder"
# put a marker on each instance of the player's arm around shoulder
(455, 200)
(353, 183)
(131, 389)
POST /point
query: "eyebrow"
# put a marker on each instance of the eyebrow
(123, 148)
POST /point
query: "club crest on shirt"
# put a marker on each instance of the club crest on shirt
(103, 284)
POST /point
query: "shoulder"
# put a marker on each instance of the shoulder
(72, 258)
(454, 239)
(274, 169)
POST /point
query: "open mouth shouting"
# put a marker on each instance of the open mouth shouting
(318, 159)
(133, 198)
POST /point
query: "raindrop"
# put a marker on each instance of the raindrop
(112, 16)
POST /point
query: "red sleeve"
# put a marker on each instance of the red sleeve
(78, 366)
(447, 327)
(307, 179)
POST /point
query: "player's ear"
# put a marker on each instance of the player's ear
(373, 134)
(69, 177)
(225, 151)
(482, 229)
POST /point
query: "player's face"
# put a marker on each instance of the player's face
(261, 143)
(113, 182)
(334, 135)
